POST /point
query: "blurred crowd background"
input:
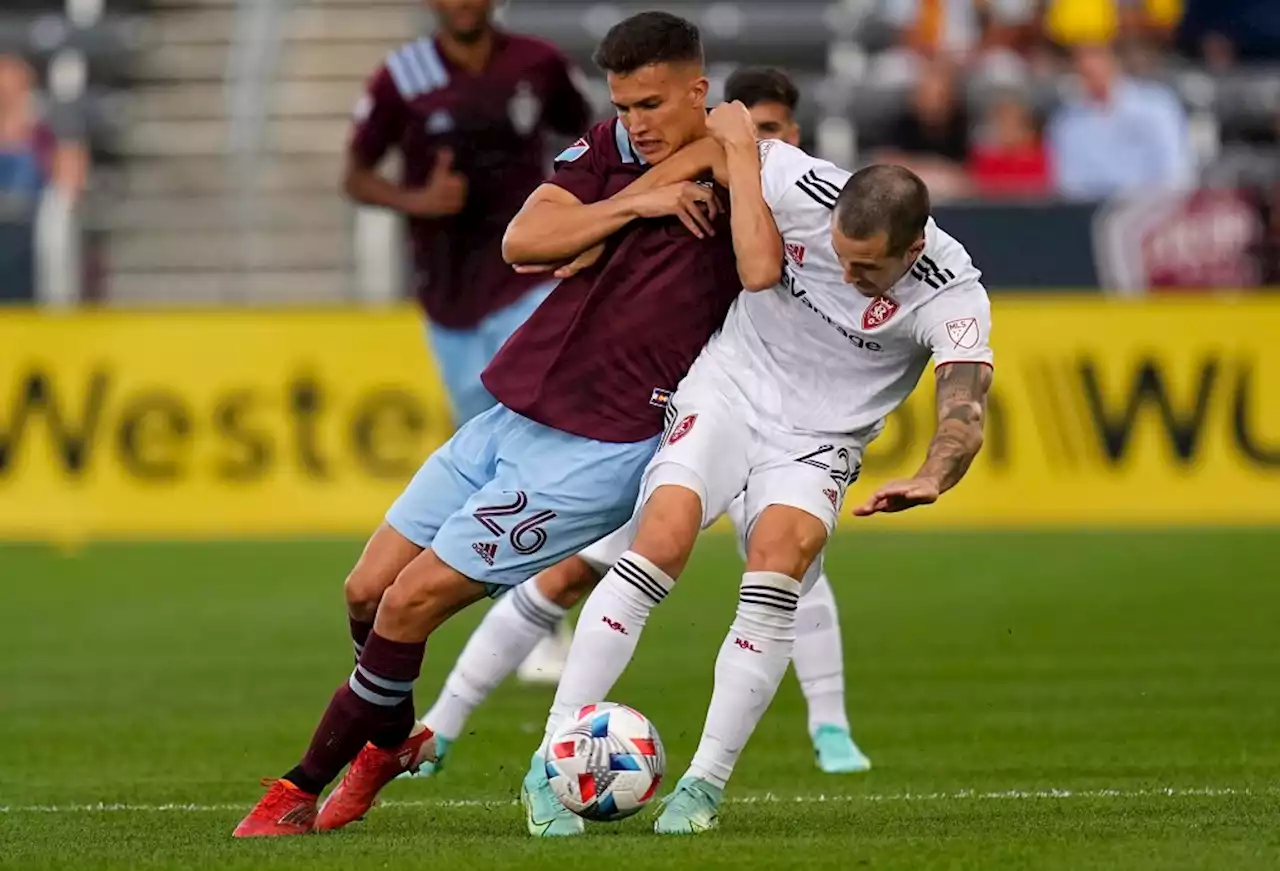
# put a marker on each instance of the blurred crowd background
(170, 151)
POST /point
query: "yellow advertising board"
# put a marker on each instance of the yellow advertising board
(231, 423)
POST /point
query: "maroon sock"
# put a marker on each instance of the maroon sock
(359, 634)
(396, 732)
(376, 701)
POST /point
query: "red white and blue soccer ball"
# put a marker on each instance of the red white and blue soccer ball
(606, 763)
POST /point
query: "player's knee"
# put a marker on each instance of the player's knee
(363, 591)
(424, 595)
(384, 557)
(788, 546)
(567, 582)
(669, 527)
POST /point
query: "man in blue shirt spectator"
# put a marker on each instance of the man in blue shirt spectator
(1118, 135)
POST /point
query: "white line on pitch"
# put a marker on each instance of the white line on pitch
(767, 798)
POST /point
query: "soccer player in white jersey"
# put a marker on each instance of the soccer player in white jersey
(779, 407)
(518, 621)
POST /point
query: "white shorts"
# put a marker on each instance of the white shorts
(716, 445)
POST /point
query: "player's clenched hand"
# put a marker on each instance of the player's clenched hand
(585, 260)
(731, 124)
(445, 192)
(695, 205)
(899, 496)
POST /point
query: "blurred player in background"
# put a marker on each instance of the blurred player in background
(469, 111)
(819, 658)
(557, 463)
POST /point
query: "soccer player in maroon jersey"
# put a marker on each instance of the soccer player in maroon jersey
(581, 390)
(468, 109)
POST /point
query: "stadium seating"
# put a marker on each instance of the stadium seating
(225, 189)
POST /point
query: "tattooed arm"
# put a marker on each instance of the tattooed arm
(962, 410)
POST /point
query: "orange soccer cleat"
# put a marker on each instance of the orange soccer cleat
(284, 810)
(372, 769)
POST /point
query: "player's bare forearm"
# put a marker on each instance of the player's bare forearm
(551, 228)
(368, 187)
(689, 163)
(756, 242)
(962, 411)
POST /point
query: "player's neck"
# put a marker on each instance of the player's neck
(471, 56)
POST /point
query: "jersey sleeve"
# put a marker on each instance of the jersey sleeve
(800, 189)
(567, 111)
(378, 120)
(581, 168)
(956, 325)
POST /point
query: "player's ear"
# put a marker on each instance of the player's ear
(916, 249)
(698, 89)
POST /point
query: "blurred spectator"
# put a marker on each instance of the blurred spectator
(30, 157)
(26, 146)
(981, 34)
(1009, 158)
(1116, 134)
(1222, 32)
(931, 135)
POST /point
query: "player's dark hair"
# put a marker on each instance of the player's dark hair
(648, 38)
(884, 198)
(755, 85)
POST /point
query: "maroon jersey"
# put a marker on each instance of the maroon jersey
(494, 121)
(601, 355)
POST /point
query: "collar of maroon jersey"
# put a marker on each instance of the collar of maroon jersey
(500, 40)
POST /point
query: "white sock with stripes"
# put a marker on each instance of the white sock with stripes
(819, 656)
(513, 627)
(608, 630)
(751, 665)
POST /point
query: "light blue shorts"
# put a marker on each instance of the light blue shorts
(463, 354)
(507, 497)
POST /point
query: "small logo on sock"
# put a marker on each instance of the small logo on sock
(614, 625)
(745, 644)
(487, 550)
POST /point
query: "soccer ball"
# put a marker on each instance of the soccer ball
(606, 762)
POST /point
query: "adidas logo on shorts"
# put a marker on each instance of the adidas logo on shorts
(487, 550)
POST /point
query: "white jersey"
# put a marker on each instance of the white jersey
(814, 353)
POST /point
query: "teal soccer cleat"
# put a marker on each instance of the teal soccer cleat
(691, 809)
(544, 815)
(836, 753)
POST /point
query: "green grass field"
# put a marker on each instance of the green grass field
(1066, 701)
